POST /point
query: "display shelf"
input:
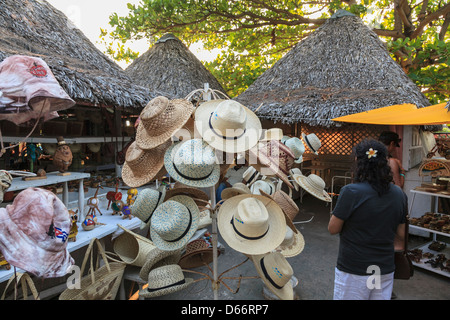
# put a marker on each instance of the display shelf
(433, 194)
(411, 226)
(427, 266)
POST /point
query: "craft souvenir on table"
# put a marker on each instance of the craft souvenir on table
(263, 185)
(157, 258)
(131, 196)
(126, 212)
(193, 163)
(251, 224)
(160, 120)
(146, 203)
(227, 125)
(236, 189)
(89, 222)
(112, 196)
(74, 227)
(297, 147)
(174, 222)
(272, 134)
(286, 204)
(276, 273)
(33, 233)
(293, 243)
(250, 176)
(312, 141)
(117, 207)
(314, 185)
(62, 158)
(142, 166)
(93, 202)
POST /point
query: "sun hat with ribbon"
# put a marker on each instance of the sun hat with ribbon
(263, 185)
(272, 134)
(227, 125)
(297, 147)
(142, 166)
(198, 253)
(286, 204)
(276, 273)
(314, 185)
(251, 224)
(160, 119)
(293, 243)
(237, 188)
(165, 280)
(158, 258)
(174, 222)
(193, 163)
(146, 203)
(250, 176)
(312, 141)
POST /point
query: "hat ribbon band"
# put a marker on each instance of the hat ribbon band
(263, 269)
(169, 286)
(309, 144)
(186, 230)
(244, 236)
(252, 177)
(150, 216)
(221, 136)
(191, 178)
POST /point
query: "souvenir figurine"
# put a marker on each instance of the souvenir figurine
(117, 207)
(93, 202)
(132, 194)
(62, 158)
(112, 196)
(88, 223)
(73, 228)
(126, 211)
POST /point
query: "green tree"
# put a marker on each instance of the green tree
(254, 34)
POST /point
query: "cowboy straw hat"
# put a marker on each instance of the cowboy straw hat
(250, 176)
(314, 185)
(286, 204)
(312, 141)
(237, 188)
(251, 224)
(165, 280)
(297, 147)
(272, 134)
(193, 163)
(132, 248)
(276, 273)
(146, 203)
(293, 243)
(174, 222)
(158, 258)
(142, 166)
(198, 253)
(227, 125)
(263, 185)
(160, 119)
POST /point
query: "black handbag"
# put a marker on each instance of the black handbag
(404, 268)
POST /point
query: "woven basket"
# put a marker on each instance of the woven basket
(101, 283)
(25, 280)
(132, 248)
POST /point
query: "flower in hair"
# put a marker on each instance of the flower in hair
(371, 153)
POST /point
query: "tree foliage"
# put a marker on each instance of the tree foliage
(253, 34)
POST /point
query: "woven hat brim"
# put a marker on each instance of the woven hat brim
(294, 249)
(212, 179)
(146, 141)
(197, 258)
(231, 192)
(285, 293)
(156, 257)
(272, 239)
(324, 196)
(146, 294)
(248, 140)
(144, 224)
(187, 191)
(288, 220)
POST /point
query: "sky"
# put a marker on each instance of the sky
(91, 15)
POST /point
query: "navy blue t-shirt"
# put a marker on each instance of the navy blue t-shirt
(371, 221)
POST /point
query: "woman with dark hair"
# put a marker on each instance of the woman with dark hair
(370, 217)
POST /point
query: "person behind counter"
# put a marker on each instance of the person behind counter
(392, 141)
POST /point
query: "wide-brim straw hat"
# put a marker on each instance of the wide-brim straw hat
(198, 253)
(158, 258)
(312, 141)
(160, 120)
(314, 185)
(286, 204)
(181, 189)
(165, 280)
(236, 189)
(174, 222)
(227, 125)
(193, 163)
(132, 248)
(146, 203)
(276, 273)
(293, 243)
(251, 224)
(142, 166)
(297, 147)
(292, 172)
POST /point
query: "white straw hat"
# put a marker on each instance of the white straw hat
(276, 273)
(146, 203)
(293, 243)
(251, 224)
(193, 163)
(272, 134)
(165, 280)
(314, 185)
(158, 258)
(292, 172)
(297, 147)
(236, 189)
(263, 185)
(174, 222)
(312, 141)
(227, 125)
(250, 176)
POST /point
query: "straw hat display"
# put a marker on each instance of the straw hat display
(198, 253)
(297, 147)
(286, 204)
(250, 176)
(237, 188)
(265, 185)
(165, 280)
(181, 189)
(158, 258)
(192, 163)
(272, 134)
(142, 166)
(227, 125)
(293, 243)
(312, 141)
(276, 273)
(132, 248)
(314, 185)
(251, 224)
(160, 120)
(146, 203)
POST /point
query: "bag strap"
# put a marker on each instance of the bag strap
(25, 280)
(89, 253)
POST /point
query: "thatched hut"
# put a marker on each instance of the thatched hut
(171, 67)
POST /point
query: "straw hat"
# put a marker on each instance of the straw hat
(158, 258)
(198, 253)
(160, 119)
(181, 189)
(276, 274)
(94, 147)
(146, 203)
(174, 222)
(297, 147)
(132, 248)
(314, 185)
(292, 172)
(165, 280)
(193, 163)
(286, 204)
(312, 141)
(266, 186)
(272, 134)
(250, 175)
(141, 166)
(238, 188)
(293, 243)
(251, 224)
(227, 125)
(204, 219)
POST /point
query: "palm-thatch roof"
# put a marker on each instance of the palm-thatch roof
(340, 69)
(35, 28)
(171, 67)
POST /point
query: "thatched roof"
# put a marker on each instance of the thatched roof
(171, 67)
(35, 28)
(340, 69)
